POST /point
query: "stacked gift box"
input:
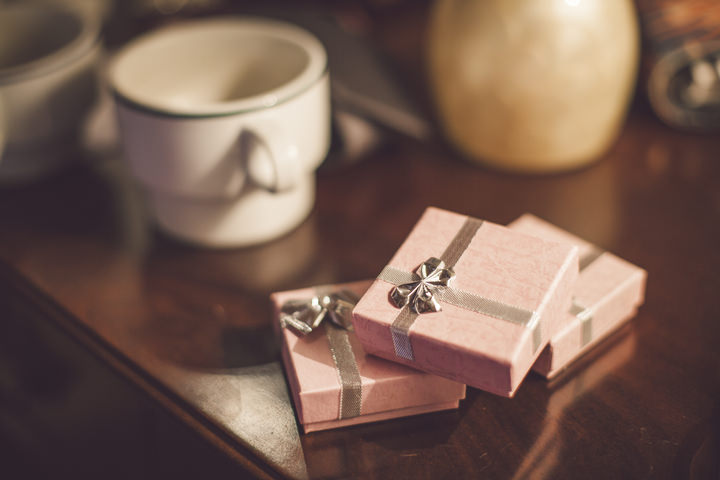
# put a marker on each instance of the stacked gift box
(462, 302)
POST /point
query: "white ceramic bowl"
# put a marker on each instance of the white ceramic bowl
(48, 84)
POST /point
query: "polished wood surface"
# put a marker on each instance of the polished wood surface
(192, 327)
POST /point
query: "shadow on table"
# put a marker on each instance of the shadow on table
(210, 310)
(697, 456)
(588, 374)
(369, 450)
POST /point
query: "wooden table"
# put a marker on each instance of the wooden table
(191, 328)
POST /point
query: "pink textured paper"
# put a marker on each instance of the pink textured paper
(612, 287)
(482, 351)
(379, 417)
(389, 390)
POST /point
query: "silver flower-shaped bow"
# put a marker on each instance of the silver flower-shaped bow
(432, 275)
(303, 316)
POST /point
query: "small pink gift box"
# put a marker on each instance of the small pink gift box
(607, 294)
(501, 295)
(333, 388)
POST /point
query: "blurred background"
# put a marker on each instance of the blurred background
(509, 85)
(503, 85)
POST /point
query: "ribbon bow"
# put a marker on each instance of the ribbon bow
(303, 316)
(432, 275)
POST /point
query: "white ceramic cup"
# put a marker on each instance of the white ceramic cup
(224, 121)
(48, 84)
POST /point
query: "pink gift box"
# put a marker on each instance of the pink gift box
(388, 390)
(506, 300)
(607, 294)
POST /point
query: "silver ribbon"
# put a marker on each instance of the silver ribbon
(590, 257)
(585, 314)
(305, 316)
(419, 294)
(441, 291)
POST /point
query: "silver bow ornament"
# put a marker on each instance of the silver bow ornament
(304, 316)
(432, 275)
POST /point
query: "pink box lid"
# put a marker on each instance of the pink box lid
(388, 389)
(607, 293)
(481, 350)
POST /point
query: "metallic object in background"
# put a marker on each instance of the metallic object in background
(683, 65)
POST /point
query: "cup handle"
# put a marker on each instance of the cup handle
(279, 169)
